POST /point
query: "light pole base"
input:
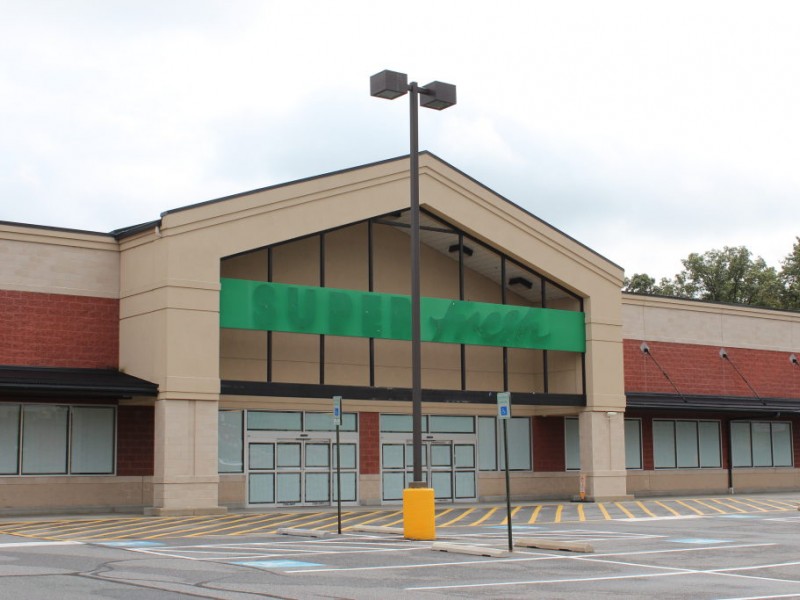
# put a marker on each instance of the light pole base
(419, 513)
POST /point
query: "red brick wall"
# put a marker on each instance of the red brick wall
(135, 439)
(697, 369)
(55, 330)
(369, 435)
(548, 444)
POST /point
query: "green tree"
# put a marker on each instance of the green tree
(729, 275)
(640, 283)
(790, 278)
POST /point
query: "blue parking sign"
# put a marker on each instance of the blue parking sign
(337, 410)
(504, 405)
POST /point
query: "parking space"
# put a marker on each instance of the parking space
(736, 554)
(454, 516)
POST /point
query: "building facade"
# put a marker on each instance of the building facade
(188, 365)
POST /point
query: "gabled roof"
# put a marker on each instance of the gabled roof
(121, 233)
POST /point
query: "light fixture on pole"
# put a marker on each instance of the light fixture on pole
(438, 96)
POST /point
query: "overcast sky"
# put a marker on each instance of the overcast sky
(646, 130)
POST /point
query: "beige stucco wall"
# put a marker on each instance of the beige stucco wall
(169, 290)
(36, 259)
(690, 322)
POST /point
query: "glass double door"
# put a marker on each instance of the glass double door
(298, 471)
(448, 466)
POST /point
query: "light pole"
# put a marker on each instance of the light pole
(438, 96)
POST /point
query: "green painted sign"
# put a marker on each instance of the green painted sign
(246, 304)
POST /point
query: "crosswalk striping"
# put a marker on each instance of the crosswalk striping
(244, 524)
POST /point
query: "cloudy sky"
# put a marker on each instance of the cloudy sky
(647, 130)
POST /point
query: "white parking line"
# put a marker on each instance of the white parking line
(218, 554)
(671, 571)
(31, 544)
(533, 556)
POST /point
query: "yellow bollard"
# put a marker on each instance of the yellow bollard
(419, 514)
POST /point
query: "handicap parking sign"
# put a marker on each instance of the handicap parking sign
(504, 405)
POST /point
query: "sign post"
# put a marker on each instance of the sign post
(337, 421)
(504, 414)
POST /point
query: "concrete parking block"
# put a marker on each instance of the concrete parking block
(554, 545)
(377, 529)
(315, 533)
(468, 549)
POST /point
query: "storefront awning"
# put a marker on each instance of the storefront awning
(720, 404)
(352, 392)
(53, 381)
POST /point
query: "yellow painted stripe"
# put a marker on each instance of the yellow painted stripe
(68, 526)
(514, 511)
(646, 510)
(169, 524)
(488, 514)
(603, 510)
(176, 531)
(308, 524)
(581, 514)
(398, 521)
(625, 510)
(42, 526)
(359, 515)
(216, 524)
(382, 515)
(707, 505)
(692, 508)
(766, 503)
(747, 504)
(535, 514)
(559, 510)
(722, 502)
(791, 505)
(463, 514)
(443, 513)
(272, 523)
(668, 508)
(228, 524)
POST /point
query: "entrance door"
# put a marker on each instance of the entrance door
(448, 465)
(298, 471)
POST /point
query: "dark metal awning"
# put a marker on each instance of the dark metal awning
(352, 392)
(54, 381)
(720, 404)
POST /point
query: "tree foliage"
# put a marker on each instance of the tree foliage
(790, 278)
(729, 275)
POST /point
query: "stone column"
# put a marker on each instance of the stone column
(602, 423)
(602, 435)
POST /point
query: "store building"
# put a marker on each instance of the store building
(188, 365)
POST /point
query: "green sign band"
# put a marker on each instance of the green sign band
(246, 304)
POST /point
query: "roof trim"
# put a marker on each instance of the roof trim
(700, 301)
(53, 228)
(124, 232)
(56, 381)
(284, 184)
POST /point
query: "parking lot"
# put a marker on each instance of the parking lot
(750, 552)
